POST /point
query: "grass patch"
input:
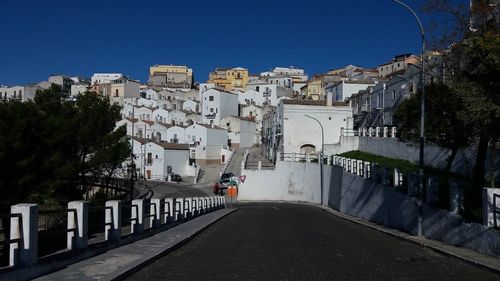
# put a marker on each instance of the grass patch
(403, 165)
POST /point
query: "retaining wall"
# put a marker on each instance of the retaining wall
(380, 204)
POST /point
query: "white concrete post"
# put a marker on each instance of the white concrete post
(201, 207)
(168, 208)
(223, 203)
(360, 132)
(25, 252)
(370, 131)
(186, 207)
(377, 132)
(154, 208)
(397, 178)
(206, 205)
(79, 221)
(364, 132)
(195, 207)
(360, 168)
(178, 212)
(366, 172)
(386, 131)
(259, 165)
(393, 132)
(137, 216)
(491, 207)
(113, 228)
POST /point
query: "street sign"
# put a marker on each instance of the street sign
(242, 178)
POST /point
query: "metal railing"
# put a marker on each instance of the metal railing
(6, 240)
(52, 230)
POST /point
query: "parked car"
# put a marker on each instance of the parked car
(227, 179)
(175, 178)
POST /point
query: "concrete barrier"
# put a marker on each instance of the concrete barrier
(23, 251)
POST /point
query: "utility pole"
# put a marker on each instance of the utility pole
(422, 121)
(321, 157)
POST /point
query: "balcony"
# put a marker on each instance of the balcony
(210, 115)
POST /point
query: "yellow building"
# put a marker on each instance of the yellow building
(313, 89)
(229, 78)
(173, 76)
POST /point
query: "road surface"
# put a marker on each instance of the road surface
(301, 242)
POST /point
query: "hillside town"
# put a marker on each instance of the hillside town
(177, 126)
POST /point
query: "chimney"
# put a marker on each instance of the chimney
(329, 99)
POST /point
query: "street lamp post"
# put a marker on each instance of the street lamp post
(321, 157)
(422, 119)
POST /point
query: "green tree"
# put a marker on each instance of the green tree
(50, 146)
(443, 123)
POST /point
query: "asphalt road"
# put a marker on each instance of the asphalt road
(300, 242)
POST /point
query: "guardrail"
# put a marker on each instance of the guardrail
(24, 227)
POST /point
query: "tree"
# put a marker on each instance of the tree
(471, 40)
(50, 146)
(443, 125)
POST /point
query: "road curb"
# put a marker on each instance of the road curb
(423, 242)
(155, 256)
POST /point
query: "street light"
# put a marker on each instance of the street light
(321, 156)
(422, 119)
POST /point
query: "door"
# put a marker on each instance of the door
(148, 174)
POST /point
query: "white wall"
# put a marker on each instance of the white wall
(176, 132)
(290, 181)
(299, 130)
(179, 160)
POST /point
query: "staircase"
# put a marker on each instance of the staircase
(253, 159)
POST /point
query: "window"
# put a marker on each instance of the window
(393, 94)
(150, 158)
(211, 98)
(257, 88)
(211, 110)
(116, 92)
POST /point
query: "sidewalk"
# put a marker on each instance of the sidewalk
(119, 262)
(485, 261)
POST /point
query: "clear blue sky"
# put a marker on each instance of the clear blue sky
(82, 37)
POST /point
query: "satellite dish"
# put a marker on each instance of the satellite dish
(403, 86)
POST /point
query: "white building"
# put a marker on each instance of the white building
(144, 113)
(191, 105)
(159, 132)
(103, 78)
(161, 115)
(217, 104)
(176, 134)
(150, 94)
(241, 131)
(156, 159)
(119, 91)
(256, 113)
(146, 102)
(77, 89)
(294, 132)
(297, 74)
(177, 117)
(264, 93)
(343, 90)
(209, 142)
(20, 93)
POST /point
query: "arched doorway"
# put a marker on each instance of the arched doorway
(307, 149)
